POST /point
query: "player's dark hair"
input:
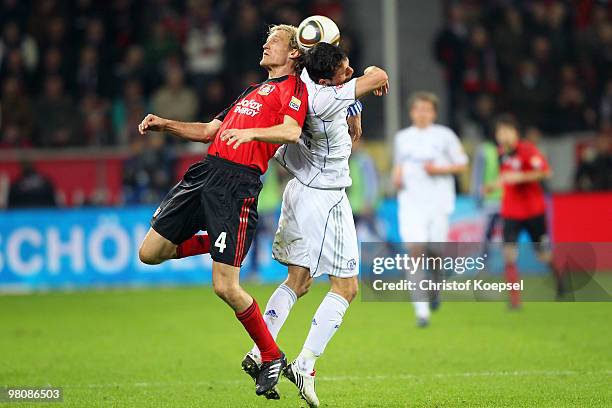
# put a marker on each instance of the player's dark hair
(507, 119)
(323, 60)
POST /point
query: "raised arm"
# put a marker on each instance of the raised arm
(287, 132)
(374, 79)
(194, 131)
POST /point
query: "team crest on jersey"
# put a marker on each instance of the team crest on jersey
(266, 89)
(536, 162)
(352, 264)
(515, 163)
(295, 103)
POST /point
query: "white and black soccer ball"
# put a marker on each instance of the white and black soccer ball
(316, 29)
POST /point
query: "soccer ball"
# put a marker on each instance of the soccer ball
(316, 29)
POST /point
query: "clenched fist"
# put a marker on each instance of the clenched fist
(153, 123)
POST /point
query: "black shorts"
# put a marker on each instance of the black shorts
(217, 196)
(535, 227)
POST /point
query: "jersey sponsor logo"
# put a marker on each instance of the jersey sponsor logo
(295, 103)
(266, 89)
(248, 107)
(512, 162)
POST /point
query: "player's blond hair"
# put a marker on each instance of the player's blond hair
(289, 29)
(424, 96)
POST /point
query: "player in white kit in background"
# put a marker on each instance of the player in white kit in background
(427, 155)
(316, 232)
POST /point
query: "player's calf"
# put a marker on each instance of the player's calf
(298, 280)
(345, 287)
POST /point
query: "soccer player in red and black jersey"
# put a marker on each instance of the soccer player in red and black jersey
(523, 206)
(219, 194)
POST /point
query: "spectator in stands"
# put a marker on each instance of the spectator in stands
(53, 63)
(149, 172)
(572, 111)
(594, 172)
(96, 128)
(483, 115)
(14, 66)
(450, 46)
(56, 118)
(603, 53)
(174, 99)
(530, 94)
(204, 45)
(91, 73)
(16, 114)
(214, 100)
(55, 37)
(509, 41)
(31, 189)
(161, 44)
(13, 39)
(133, 66)
(480, 72)
(541, 52)
(128, 111)
(605, 108)
(243, 46)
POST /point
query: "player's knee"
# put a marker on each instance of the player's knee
(148, 257)
(225, 291)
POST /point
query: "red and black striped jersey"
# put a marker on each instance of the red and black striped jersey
(260, 106)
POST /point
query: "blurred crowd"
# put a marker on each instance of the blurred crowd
(83, 73)
(549, 62)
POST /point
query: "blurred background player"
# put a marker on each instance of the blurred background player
(523, 206)
(219, 195)
(364, 194)
(427, 155)
(485, 171)
(316, 232)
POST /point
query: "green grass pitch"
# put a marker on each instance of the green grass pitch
(182, 347)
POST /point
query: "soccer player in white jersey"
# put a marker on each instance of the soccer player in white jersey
(427, 155)
(316, 232)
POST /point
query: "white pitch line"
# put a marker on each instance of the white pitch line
(381, 377)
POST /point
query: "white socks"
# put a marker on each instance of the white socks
(277, 310)
(325, 323)
(421, 309)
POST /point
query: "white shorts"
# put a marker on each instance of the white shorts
(418, 225)
(316, 231)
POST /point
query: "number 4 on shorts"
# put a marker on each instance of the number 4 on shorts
(220, 242)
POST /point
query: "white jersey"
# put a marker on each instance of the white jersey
(416, 147)
(320, 158)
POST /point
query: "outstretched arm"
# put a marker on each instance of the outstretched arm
(287, 132)
(374, 80)
(194, 131)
